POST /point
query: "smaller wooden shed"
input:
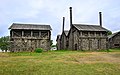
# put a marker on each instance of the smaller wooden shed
(114, 40)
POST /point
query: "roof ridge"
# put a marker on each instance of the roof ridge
(66, 30)
(30, 26)
(27, 24)
(83, 27)
(110, 36)
(88, 24)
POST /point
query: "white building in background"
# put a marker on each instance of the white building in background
(53, 48)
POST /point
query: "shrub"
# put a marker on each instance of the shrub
(38, 50)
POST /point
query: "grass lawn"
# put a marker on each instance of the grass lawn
(61, 63)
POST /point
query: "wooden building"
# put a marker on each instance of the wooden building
(62, 40)
(84, 37)
(114, 40)
(28, 37)
(64, 37)
(87, 37)
(58, 44)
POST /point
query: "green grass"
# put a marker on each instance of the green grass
(61, 63)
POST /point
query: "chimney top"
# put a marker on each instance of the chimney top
(63, 23)
(70, 7)
(71, 16)
(100, 12)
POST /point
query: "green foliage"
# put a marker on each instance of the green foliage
(51, 42)
(109, 33)
(38, 50)
(53, 46)
(60, 63)
(4, 43)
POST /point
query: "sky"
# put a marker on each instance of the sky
(51, 12)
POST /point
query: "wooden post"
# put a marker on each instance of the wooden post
(48, 34)
(12, 34)
(80, 33)
(88, 34)
(22, 33)
(31, 33)
(95, 34)
(40, 34)
(101, 34)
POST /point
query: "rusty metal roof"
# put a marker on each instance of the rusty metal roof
(84, 27)
(30, 26)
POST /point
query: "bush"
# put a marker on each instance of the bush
(38, 50)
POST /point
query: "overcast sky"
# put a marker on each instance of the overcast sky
(52, 11)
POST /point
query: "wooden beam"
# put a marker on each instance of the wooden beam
(22, 33)
(31, 33)
(39, 33)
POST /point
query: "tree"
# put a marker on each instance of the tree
(51, 42)
(53, 46)
(4, 43)
(109, 33)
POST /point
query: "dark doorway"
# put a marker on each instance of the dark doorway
(116, 45)
(75, 46)
(99, 44)
(90, 44)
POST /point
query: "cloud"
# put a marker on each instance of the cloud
(51, 12)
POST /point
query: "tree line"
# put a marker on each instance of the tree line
(4, 43)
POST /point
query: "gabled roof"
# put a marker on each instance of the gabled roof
(84, 27)
(112, 35)
(30, 26)
(58, 37)
(66, 32)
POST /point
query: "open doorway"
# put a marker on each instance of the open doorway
(75, 46)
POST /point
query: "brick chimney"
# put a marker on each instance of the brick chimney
(100, 18)
(63, 23)
(70, 16)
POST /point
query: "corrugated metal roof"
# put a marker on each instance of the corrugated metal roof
(84, 27)
(30, 26)
(66, 32)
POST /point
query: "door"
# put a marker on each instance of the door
(75, 46)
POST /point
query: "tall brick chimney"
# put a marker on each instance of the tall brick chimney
(100, 18)
(63, 23)
(70, 16)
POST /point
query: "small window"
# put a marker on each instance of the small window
(104, 34)
(85, 33)
(27, 33)
(35, 33)
(11, 39)
(17, 33)
(116, 44)
(44, 34)
(43, 42)
(97, 33)
(91, 33)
